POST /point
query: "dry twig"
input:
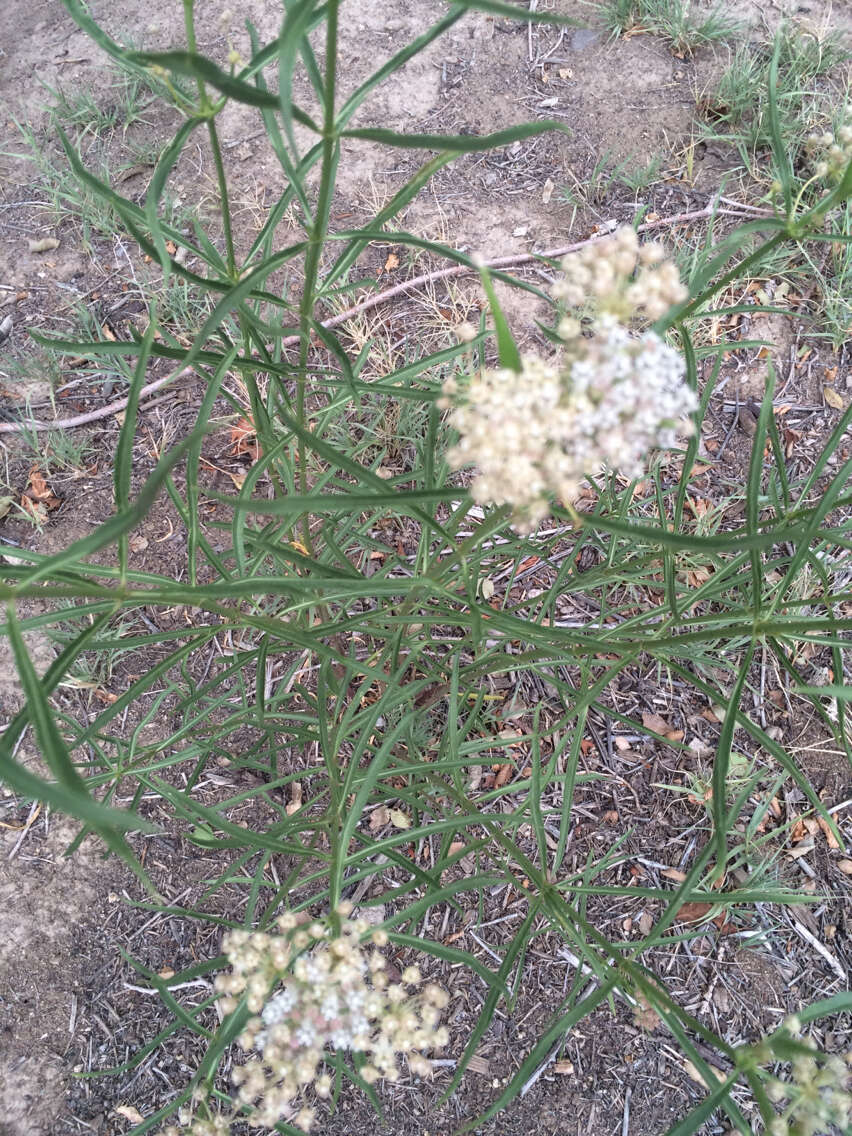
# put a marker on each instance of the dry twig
(371, 302)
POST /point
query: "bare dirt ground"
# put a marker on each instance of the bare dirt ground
(69, 1002)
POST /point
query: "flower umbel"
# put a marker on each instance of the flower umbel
(313, 989)
(620, 277)
(606, 401)
(815, 1097)
(833, 151)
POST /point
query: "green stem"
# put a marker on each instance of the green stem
(801, 194)
(189, 25)
(316, 242)
(224, 203)
(205, 106)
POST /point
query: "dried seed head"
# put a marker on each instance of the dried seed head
(465, 332)
(832, 153)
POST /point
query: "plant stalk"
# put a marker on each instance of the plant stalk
(316, 242)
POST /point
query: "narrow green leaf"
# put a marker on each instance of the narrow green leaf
(781, 158)
(342, 502)
(292, 171)
(124, 450)
(164, 167)
(507, 349)
(199, 67)
(70, 788)
(397, 61)
(834, 690)
(540, 1051)
(297, 21)
(486, 1015)
(66, 801)
(398, 202)
(135, 220)
(692, 1122)
(112, 529)
(458, 143)
(79, 13)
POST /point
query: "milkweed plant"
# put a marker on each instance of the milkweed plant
(369, 610)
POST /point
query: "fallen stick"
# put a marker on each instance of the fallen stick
(365, 305)
(91, 415)
(499, 262)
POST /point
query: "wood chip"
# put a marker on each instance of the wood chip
(827, 833)
(295, 802)
(693, 912)
(503, 775)
(656, 723)
(692, 1072)
(479, 1065)
(44, 245)
(379, 818)
(833, 398)
(129, 1113)
(674, 874)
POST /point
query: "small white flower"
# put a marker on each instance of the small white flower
(277, 1008)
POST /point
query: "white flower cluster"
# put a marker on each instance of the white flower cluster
(835, 150)
(609, 399)
(216, 1125)
(621, 277)
(816, 1098)
(332, 993)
